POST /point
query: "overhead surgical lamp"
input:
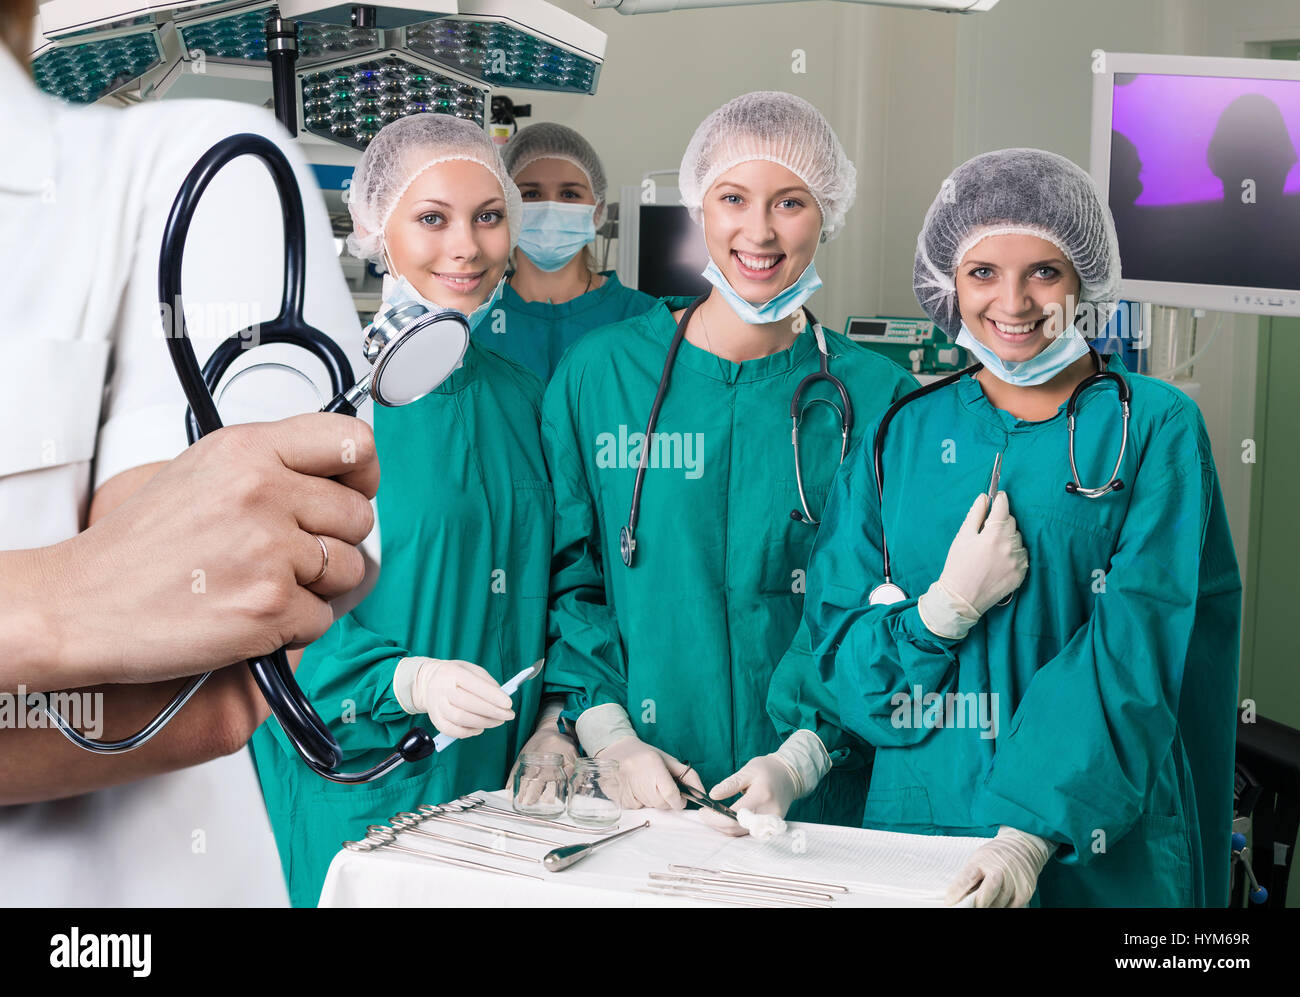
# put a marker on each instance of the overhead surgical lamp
(664, 6)
(343, 70)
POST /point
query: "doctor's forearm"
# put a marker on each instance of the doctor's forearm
(29, 645)
(38, 763)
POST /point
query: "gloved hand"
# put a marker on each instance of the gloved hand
(769, 787)
(646, 775)
(460, 698)
(985, 564)
(547, 739)
(1004, 872)
(771, 783)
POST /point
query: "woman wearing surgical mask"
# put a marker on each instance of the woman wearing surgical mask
(465, 510)
(555, 293)
(668, 661)
(1061, 680)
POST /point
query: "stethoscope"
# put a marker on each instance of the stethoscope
(887, 593)
(432, 345)
(627, 534)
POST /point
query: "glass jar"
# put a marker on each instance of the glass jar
(541, 785)
(594, 793)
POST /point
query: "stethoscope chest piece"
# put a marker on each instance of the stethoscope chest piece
(886, 594)
(431, 344)
(626, 545)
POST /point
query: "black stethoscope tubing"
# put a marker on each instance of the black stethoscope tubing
(1073, 487)
(301, 723)
(627, 533)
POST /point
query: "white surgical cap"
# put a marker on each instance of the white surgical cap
(400, 152)
(1014, 191)
(779, 128)
(548, 140)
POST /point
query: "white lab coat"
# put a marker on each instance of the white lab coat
(87, 390)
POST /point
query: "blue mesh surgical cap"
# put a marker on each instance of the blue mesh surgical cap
(1014, 191)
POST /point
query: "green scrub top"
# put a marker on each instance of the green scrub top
(465, 513)
(536, 333)
(1112, 673)
(687, 639)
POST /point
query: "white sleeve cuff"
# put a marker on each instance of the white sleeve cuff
(807, 758)
(601, 726)
(945, 614)
(143, 436)
(404, 680)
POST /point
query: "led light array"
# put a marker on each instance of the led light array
(82, 73)
(351, 103)
(501, 55)
(238, 36)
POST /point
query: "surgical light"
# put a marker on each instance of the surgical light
(343, 70)
(84, 66)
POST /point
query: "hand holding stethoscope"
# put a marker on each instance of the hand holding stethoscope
(431, 345)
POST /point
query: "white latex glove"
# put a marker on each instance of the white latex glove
(646, 774)
(547, 739)
(771, 783)
(769, 787)
(986, 562)
(460, 698)
(1004, 872)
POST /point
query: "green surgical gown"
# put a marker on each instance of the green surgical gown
(687, 639)
(1112, 674)
(465, 513)
(536, 333)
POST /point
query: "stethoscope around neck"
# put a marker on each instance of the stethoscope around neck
(627, 534)
(887, 593)
(431, 345)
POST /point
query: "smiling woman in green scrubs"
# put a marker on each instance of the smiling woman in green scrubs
(465, 514)
(555, 294)
(668, 661)
(1105, 776)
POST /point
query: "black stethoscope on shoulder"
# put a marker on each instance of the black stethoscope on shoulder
(627, 534)
(887, 592)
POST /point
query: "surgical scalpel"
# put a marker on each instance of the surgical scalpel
(509, 687)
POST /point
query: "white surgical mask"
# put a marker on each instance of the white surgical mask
(553, 232)
(401, 289)
(1062, 351)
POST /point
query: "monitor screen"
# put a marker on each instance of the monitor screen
(671, 252)
(1203, 179)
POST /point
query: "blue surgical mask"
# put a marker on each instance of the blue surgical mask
(785, 303)
(1062, 351)
(399, 290)
(553, 232)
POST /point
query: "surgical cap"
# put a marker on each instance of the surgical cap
(400, 152)
(548, 140)
(780, 128)
(1014, 191)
